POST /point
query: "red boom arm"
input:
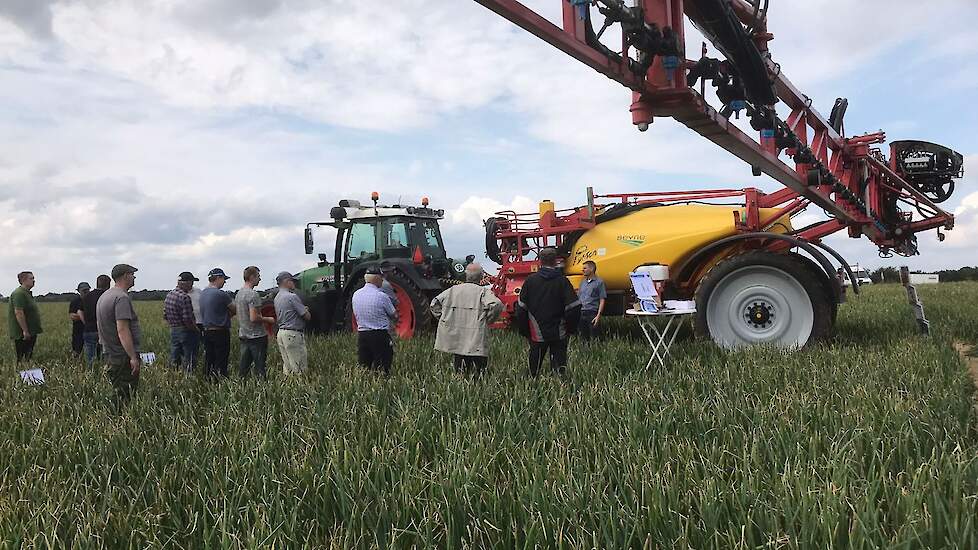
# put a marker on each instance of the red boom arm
(848, 178)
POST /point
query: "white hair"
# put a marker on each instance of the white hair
(474, 273)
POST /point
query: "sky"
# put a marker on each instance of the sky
(189, 134)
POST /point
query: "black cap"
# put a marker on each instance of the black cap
(374, 270)
(187, 276)
(284, 276)
(216, 272)
(84, 286)
(121, 269)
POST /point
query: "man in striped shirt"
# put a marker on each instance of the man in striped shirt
(374, 313)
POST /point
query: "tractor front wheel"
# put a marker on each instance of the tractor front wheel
(763, 298)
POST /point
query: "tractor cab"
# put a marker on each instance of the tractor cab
(404, 241)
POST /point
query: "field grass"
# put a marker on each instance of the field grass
(867, 442)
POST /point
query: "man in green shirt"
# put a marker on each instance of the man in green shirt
(24, 318)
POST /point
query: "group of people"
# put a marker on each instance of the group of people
(105, 324)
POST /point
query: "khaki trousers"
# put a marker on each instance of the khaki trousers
(292, 347)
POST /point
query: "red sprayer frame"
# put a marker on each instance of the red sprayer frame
(852, 181)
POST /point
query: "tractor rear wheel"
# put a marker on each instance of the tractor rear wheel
(413, 306)
(763, 298)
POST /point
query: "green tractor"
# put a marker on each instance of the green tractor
(404, 241)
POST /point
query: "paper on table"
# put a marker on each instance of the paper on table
(680, 305)
(32, 377)
(148, 358)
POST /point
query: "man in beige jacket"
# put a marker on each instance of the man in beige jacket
(464, 314)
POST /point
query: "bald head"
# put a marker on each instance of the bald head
(474, 273)
(373, 279)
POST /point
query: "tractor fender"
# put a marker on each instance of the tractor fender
(703, 254)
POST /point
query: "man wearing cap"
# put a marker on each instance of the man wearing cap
(374, 313)
(251, 325)
(216, 309)
(23, 317)
(77, 318)
(120, 334)
(89, 311)
(178, 312)
(292, 316)
(547, 312)
(464, 314)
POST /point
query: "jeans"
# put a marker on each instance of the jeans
(184, 343)
(375, 350)
(586, 329)
(558, 356)
(254, 351)
(77, 338)
(24, 348)
(217, 352)
(92, 349)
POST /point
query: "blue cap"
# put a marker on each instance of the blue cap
(216, 272)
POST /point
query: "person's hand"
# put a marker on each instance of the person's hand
(597, 318)
(134, 363)
(27, 335)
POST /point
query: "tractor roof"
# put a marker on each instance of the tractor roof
(353, 210)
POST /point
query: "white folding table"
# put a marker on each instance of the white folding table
(660, 338)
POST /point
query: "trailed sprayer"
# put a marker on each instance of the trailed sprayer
(754, 276)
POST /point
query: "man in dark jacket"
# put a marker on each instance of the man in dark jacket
(547, 313)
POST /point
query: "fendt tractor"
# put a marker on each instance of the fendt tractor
(405, 241)
(755, 278)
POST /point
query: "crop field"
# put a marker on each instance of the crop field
(867, 442)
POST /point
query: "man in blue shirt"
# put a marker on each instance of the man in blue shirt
(593, 294)
(374, 313)
(216, 309)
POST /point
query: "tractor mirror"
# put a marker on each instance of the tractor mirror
(309, 245)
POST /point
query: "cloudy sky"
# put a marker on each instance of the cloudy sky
(188, 134)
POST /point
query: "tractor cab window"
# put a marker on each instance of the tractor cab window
(363, 241)
(425, 234)
(400, 236)
(395, 235)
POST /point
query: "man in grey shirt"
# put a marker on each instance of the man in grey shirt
(120, 334)
(292, 315)
(251, 326)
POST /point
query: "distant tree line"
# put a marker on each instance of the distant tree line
(892, 275)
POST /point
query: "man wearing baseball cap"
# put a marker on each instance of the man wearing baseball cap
(120, 334)
(216, 309)
(178, 312)
(292, 316)
(77, 317)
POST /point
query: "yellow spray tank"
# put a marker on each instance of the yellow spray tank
(658, 234)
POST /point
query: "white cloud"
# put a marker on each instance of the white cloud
(475, 210)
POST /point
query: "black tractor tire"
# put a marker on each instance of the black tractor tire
(413, 308)
(762, 297)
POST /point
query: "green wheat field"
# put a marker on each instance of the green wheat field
(869, 441)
